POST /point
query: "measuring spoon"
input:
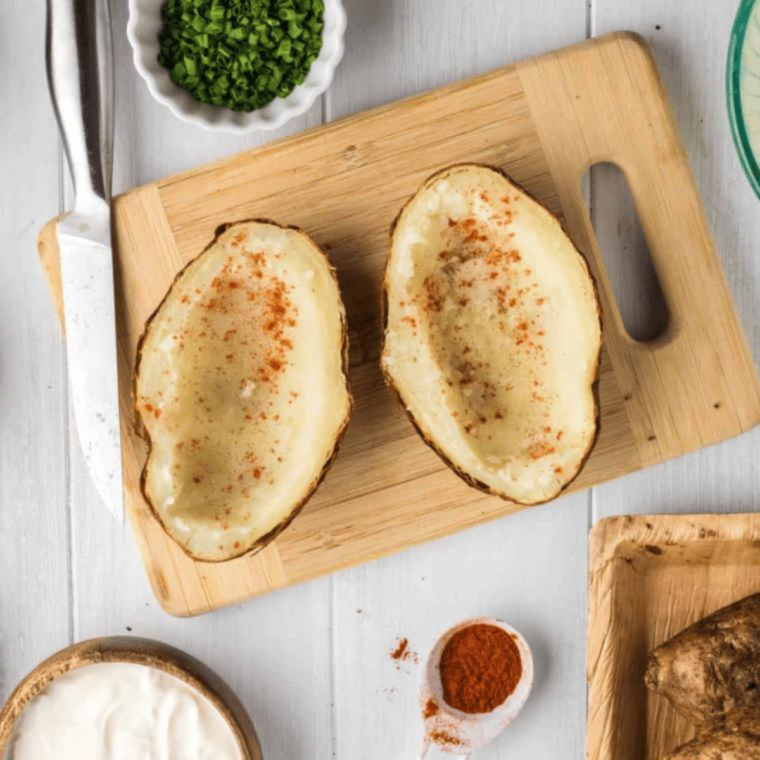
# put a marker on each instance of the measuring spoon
(450, 733)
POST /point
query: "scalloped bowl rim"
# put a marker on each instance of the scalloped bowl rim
(145, 22)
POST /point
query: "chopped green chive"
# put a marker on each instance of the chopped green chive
(240, 54)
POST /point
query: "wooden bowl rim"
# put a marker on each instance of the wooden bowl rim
(138, 651)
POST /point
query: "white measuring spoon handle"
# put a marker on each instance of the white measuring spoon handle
(434, 752)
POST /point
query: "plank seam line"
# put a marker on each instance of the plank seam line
(331, 642)
(332, 659)
(592, 503)
(72, 621)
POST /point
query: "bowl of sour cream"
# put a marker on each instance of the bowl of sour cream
(743, 87)
(122, 698)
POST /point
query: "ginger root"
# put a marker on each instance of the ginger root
(710, 673)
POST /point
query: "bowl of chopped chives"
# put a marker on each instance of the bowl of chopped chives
(237, 65)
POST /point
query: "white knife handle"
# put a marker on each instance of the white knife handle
(80, 75)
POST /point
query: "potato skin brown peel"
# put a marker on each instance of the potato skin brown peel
(339, 428)
(709, 672)
(425, 433)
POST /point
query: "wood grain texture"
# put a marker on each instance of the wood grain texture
(694, 386)
(649, 578)
(642, 139)
(394, 48)
(529, 568)
(689, 43)
(524, 572)
(34, 544)
(251, 648)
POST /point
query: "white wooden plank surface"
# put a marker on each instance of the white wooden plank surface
(311, 663)
(151, 142)
(690, 41)
(269, 645)
(525, 569)
(34, 558)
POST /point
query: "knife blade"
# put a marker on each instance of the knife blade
(88, 303)
(79, 66)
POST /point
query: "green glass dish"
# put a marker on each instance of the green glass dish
(743, 87)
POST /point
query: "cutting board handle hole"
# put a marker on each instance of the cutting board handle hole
(625, 251)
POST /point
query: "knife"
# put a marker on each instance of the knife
(80, 75)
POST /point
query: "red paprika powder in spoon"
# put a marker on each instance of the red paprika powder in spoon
(480, 667)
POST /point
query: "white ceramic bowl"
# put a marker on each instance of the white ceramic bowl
(143, 30)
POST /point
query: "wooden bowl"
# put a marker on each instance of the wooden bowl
(137, 651)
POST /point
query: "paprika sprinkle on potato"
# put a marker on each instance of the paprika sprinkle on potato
(480, 667)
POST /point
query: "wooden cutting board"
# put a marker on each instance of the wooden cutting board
(544, 121)
(649, 578)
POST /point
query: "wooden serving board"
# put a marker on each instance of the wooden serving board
(649, 578)
(544, 121)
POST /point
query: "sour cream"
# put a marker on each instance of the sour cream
(121, 711)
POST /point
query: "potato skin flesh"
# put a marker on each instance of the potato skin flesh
(478, 372)
(712, 668)
(736, 738)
